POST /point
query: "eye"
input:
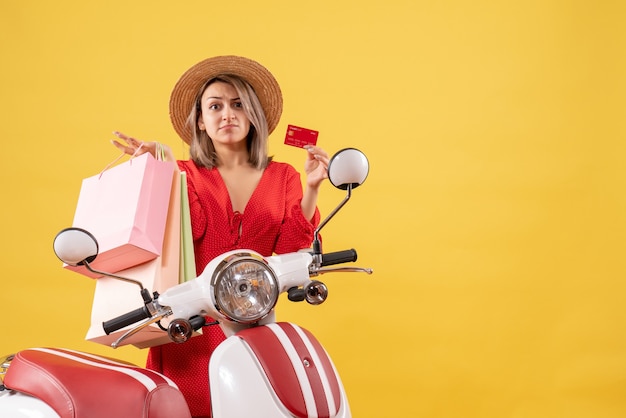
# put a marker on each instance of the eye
(214, 106)
(238, 105)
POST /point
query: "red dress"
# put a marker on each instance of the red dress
(272, 223)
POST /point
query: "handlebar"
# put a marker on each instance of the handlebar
(126, 319)
(339, 257)
(139, 314)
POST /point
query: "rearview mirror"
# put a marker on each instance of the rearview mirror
(348, 168)
(75, 246)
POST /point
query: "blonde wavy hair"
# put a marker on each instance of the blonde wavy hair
(201, 149)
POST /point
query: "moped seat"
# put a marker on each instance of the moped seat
(77, 385)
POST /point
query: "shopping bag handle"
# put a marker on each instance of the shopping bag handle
(160, 155)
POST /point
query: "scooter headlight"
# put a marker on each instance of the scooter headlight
(245, 288)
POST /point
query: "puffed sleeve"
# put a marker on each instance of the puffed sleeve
(296, 232)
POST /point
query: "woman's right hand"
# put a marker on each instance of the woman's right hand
(136, 147)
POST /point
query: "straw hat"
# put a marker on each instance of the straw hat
(186, 89)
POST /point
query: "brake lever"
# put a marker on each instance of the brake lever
(134, 330)
(323, 270)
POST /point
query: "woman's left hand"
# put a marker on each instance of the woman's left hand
(316, 166)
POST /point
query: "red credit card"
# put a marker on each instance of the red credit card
(300, 137)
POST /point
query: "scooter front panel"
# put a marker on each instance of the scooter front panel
(297, 368)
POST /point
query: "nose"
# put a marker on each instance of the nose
(228, 113)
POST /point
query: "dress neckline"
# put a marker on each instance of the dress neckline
(222, 185)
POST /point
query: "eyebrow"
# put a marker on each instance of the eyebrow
(221, 98)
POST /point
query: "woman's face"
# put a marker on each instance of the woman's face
(222, 115)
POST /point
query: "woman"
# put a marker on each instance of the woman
(225, 108)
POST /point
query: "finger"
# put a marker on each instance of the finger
(118, 145)
(122, 147)
(320, 155)
(316, 150)
(313, 153)
(320, 151)
(323, 159)
(121, 135)
(129, 139)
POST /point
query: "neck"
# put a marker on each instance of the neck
(230, 157)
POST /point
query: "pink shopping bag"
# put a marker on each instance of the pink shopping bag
(113, 298)
(125, 208)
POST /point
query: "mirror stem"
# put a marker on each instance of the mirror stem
(317, 244)
(125, 279)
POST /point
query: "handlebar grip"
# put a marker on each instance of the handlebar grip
(338, 257)
(125, 320)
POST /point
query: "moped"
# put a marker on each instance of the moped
(263, 368)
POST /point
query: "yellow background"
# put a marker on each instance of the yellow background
(494, 214)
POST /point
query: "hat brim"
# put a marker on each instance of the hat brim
(186, 89)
